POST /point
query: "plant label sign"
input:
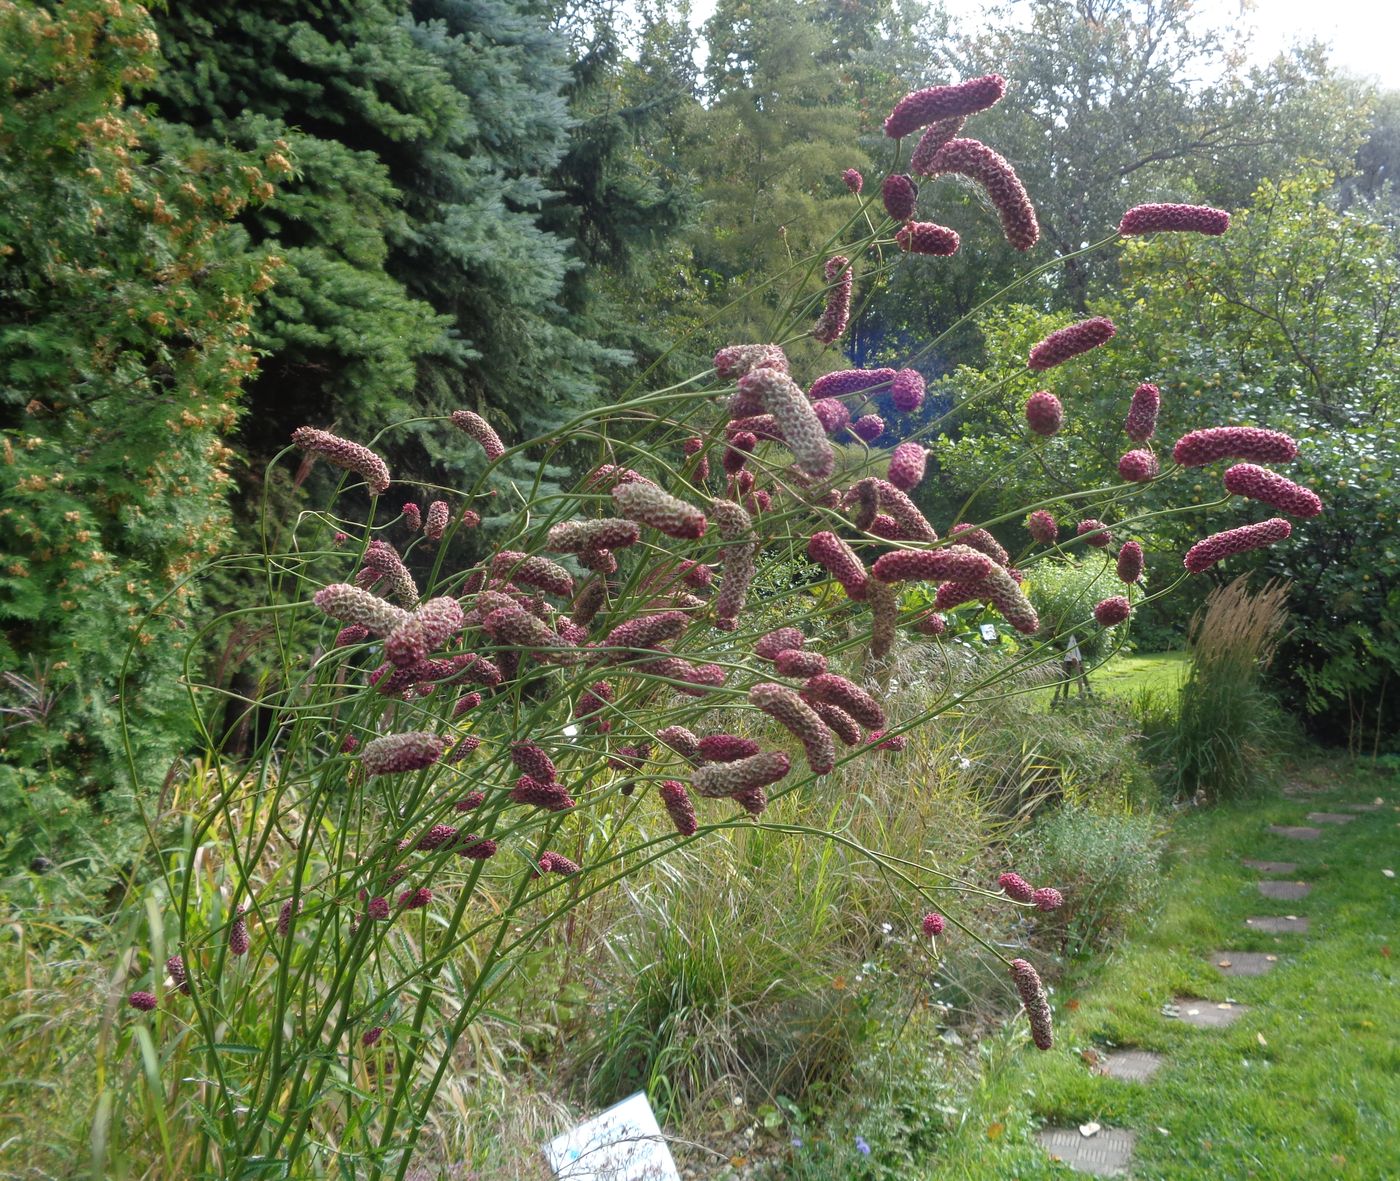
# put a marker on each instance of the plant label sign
(624, 1143)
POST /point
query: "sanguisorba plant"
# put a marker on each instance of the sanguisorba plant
(453, 759)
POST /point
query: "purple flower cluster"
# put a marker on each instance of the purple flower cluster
(923, 107)
(1155, 219)
(1065, 343)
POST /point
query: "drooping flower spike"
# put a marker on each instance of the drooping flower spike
(832, 322)
(477, 428)
(1130, 562)
(1197, 448)
(1204, 554)
(344, 454)
(854, 181)
(933, 138)
(928, 237)
(1141, 423)
(1042, 527)
(1065, 343)
(923, 107)
(1257, 483)
(1112, 611)
(1138, 467)
(1035, 1003)
(649, 505)
(849, 381)
(899, 196)
(976, 161)
(1156, 219)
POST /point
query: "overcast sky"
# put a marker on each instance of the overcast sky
(1364, 34)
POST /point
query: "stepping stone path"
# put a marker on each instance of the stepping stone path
(1296, 832)
(1203, 1014)
(1243, 963)
(1129, 1066)
(1363, 807)
(1285, 891)
(1272, 866)
(1330, 817)
(1107, 1153)
(1279, 924)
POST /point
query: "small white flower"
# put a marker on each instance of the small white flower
(570, 731)
(886, 927)
(964, 763)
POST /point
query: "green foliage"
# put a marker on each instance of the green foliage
(1064, 593)
(125, 298)
(1106, 865)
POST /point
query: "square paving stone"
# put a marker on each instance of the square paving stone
(1276, 924)
(1296, 832)
(1330, 817)
(1105, 1154)
(1243, 963)
(1271, 866)
(1206, 1014)
(1287, 891)
(1364, 807)
(1130, 1066)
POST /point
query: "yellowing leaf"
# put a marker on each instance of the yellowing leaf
(994, 1131)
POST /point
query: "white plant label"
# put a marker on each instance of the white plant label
(624, 1143)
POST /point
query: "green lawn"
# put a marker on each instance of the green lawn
(1123, 676)
(1306, 1084)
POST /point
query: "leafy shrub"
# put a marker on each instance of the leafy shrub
(1106, 864)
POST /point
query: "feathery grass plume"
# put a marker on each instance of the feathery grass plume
(937, 134)
(1141, 423)
(1044, 413)
(679, 807)
(727, 748)
(413, 517)
(384, 560)
(557, 863)
(933, 924)
(907, 390)
(976, 161)
(935, 103)
(1016, 887)
(912, 523)
(1042, 527)
(837, 313)
(1138, 467)
(437, 836)
(435, 523)
(651, 506)
(931, 624)
(1197, 448)
(289, 910)
(533, 761)
(959, 563)
(832, 414)
(393, 754)
(795, 715)
(907, 462)
(349, 604)
(1094, 532)
(927, 237)
(845, 382)
(476, 848)
(1130, 562)
(477, 428)
(837, 720)
(1035, 1002)
(720, 780)
(802, 430)
(553, 797)
(737, 562)
(1204, 554)
(884, 617)
(836, 690)
(1066, 343)
(238, 941)
(854, 181)
(415, 899)
(644, 634)
(470, 801)
(1157, 219)
(680, 740)
(899, 195)
(837, 558)
(1112, 611)
(975, 537)
(344, 454)
(142, 1001)
(1048, 898)
(351, 634)
(1258, 483)
(532, 570)
(738, 359)
(799, 665)
(868, 427)
(736, 454)
(517, 628)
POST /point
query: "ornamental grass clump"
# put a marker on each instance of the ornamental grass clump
(612, 676)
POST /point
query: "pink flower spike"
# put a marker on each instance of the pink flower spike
(1044, 414)
(899, 195)
(977, 162)
(1138, 467)
(1034, 1001)
(1048, 898)
(1197, 448)
(923, 107)
(907, 390)
(1257, 483)
(1065, 343)
(1156, 219)
(1112, 611)
(854, 181)
(1130, 562)
(928, 237)
(933, 924)
(1042, 527)
(1204, 554)
(1016, 887)
(345, 454)
(1094, 532)
(1141, 423)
